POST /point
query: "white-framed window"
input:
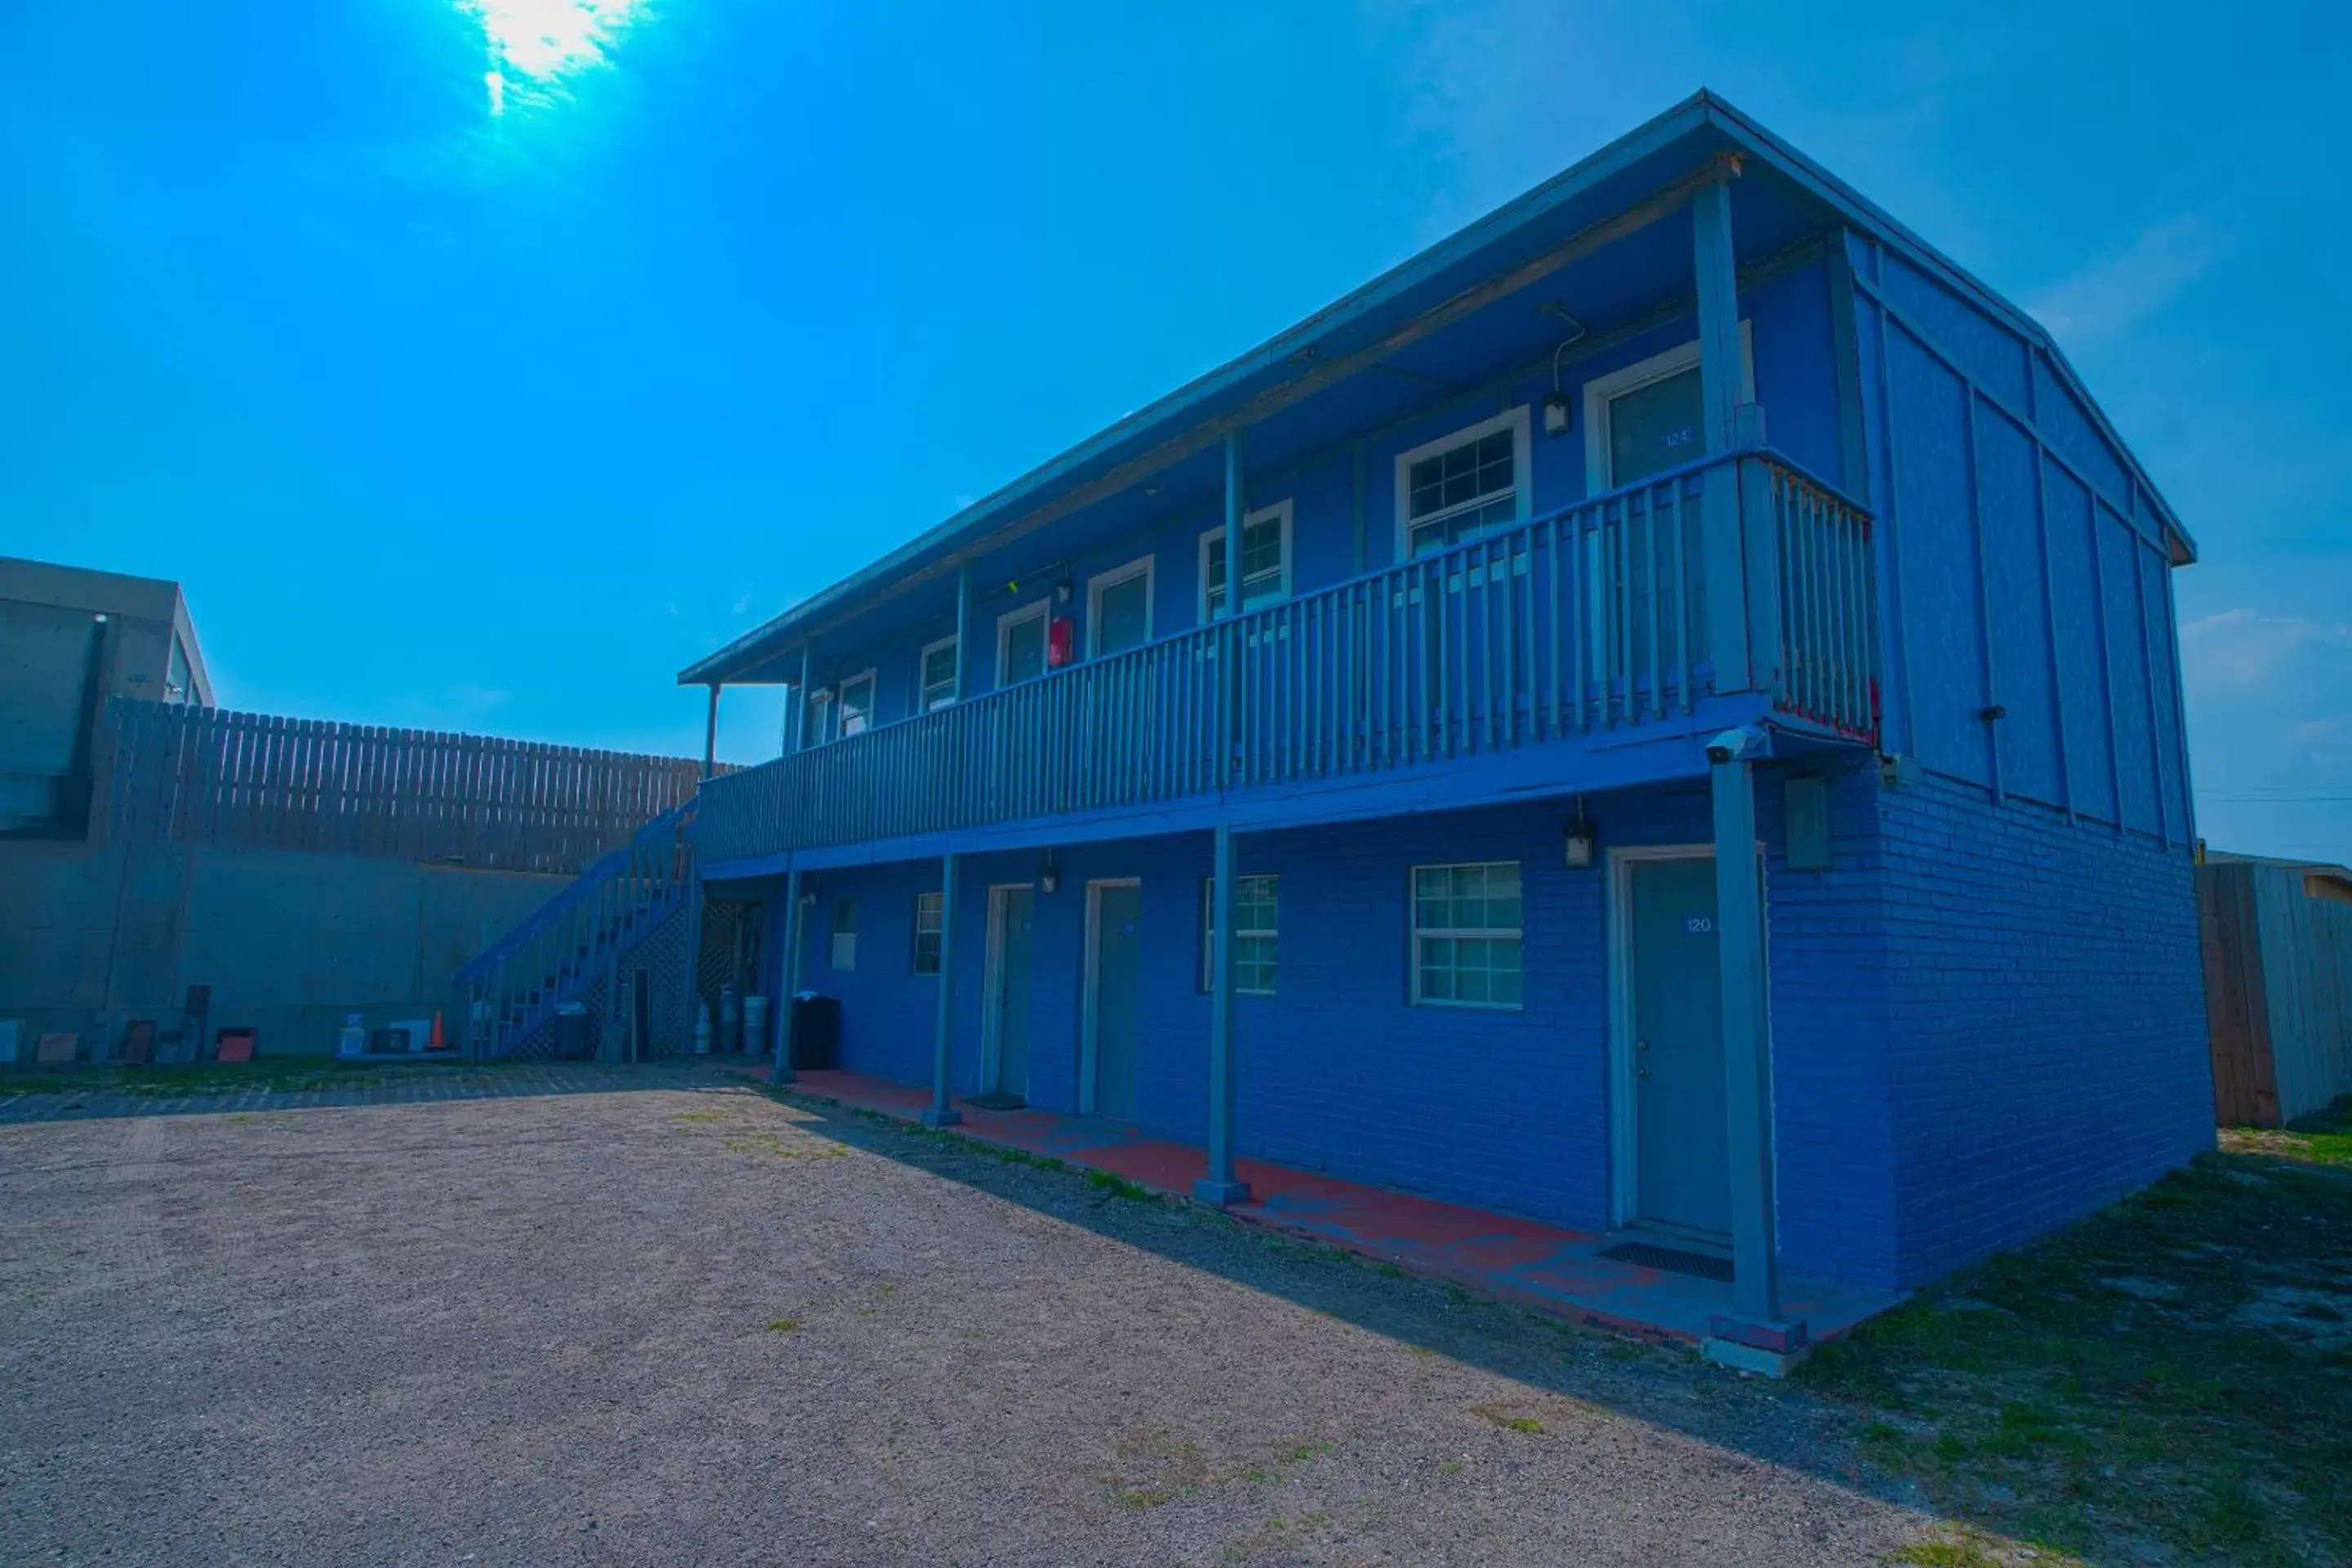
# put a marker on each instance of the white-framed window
(816, 726)
(935, 675)
(1021, 644)
(1257, 924)
(854, 705)
(1645, 419)
(930, 909)
(1118, 608)
(1264, 564)
(1461, 485)
(1466, 935)
(845, 934)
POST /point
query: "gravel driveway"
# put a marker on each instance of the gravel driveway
(682, 1322)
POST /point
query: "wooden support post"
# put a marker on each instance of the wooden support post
(693, 966)
(942, 1114)
(796, 721)
(787, 977)
(1228, 675)
(1722, 378)
(1219, 1186)
(963, 630)
(1753, 1335)
(711, 734)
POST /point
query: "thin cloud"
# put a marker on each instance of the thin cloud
(2106, 300)
(2241, 651)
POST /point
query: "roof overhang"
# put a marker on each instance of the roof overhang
(1699, 139)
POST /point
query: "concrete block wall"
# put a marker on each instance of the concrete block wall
(91, 938)
(2048, 1051)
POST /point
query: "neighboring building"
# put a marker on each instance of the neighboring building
(2278, 986)
(69, 639)
(1416, 671)
(169, 868)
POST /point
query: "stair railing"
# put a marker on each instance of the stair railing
(513, 987)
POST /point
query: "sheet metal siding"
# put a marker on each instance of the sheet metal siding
(2048, 1046)
(2020, 566)
(2306, 946)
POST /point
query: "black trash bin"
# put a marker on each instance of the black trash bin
(574, 1042)
(816, 1027)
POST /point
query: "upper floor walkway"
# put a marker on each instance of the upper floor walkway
(1570, 652)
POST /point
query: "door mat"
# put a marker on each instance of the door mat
(1672, 1260)
(996, 1099)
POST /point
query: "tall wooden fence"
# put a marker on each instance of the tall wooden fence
(183, 774)
(2278, 987)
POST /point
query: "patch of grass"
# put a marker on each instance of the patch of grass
(1119, 1186)
(2323, 1138)
(2176, 1369)
(1510, 1418)
(710, 1113)
(783, 1325)
(775, 1146)
(1945, 1554)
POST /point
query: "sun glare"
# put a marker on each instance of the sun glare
(533, 44)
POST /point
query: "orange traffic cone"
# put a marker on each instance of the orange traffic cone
(436, 1043)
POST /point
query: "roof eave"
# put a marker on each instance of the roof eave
(1188, 403)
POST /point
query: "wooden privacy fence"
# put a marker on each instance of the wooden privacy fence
(184, 774)
(2277, 941)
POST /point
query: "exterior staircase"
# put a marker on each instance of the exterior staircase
(574, 945)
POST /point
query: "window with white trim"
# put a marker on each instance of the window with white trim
(1464, 485)
(1021, 644)
(1256, 925)
(935, 675)
(1466, 935)
(1264, 564)
(817, 725)
(1118, 608)
(845, 934)
(930, 909)
(1645, 419)
(854, 705)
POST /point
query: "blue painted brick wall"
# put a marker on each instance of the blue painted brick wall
(2048, 1052)
(1986, 1022)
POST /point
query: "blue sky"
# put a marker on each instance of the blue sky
(494, 421)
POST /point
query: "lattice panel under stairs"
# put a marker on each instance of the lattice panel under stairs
(731, 952)
(668, 1018)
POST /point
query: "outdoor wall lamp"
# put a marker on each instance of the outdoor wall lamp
(1576, 844)
(1049, 880)
(1557, 414)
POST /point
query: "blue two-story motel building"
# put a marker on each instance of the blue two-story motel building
(1660, 713)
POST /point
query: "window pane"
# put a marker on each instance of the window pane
(856, 706)
(1124, 610)
(938, 677)
(1653, 427)
(1262, 548)
(1024, 649)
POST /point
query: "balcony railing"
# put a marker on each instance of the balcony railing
(1591, 618)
